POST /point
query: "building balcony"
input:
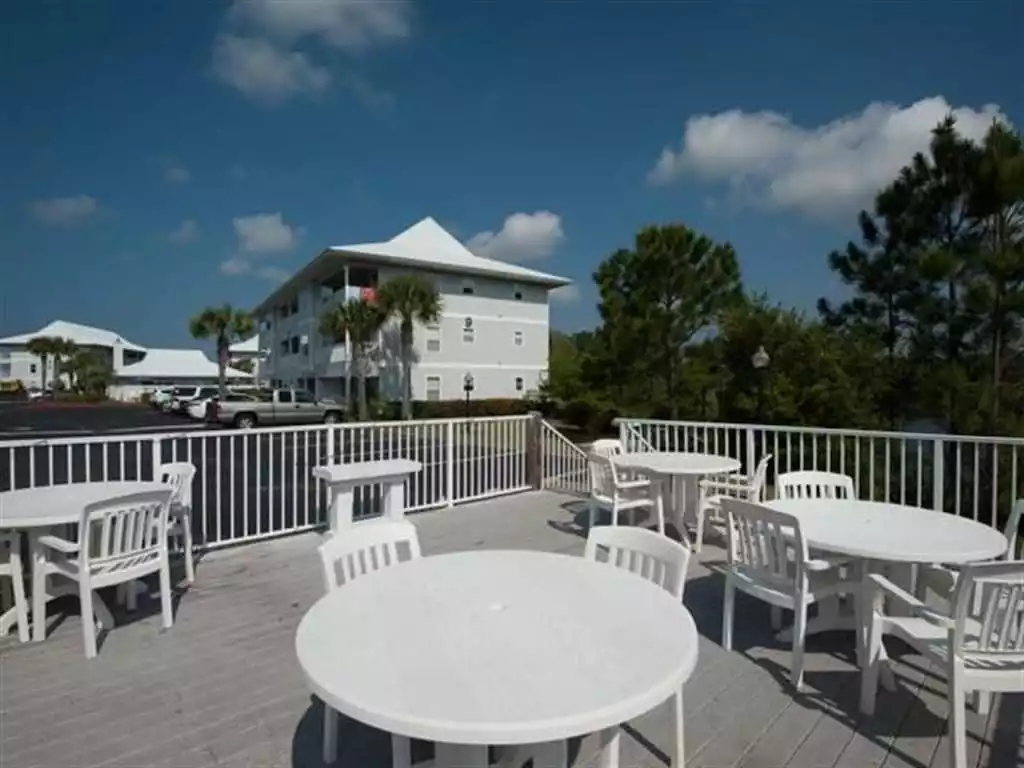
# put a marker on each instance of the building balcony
(222, 687)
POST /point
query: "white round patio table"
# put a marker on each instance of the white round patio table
(34, 510)
(499, 647)
(876, 532)
(665, 467)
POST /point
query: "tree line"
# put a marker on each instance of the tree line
(932, 328)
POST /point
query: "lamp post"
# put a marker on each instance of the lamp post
(760, 360)
(467, 387)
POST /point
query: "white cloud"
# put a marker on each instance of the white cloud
(176, 174)
(829, 169)
(65, 211)
(265, 72)
(235, 266)
(265, 233)
(185, 232)
(523, 236)
(351, 25)
(565, 294)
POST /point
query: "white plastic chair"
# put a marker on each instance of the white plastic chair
(120, 540)
(811, 484)
(363, 549)
(178, 475)
(609, 490)
(713, 490)
(10, 566)
(983, 652)
(768, 559)
(656, 558)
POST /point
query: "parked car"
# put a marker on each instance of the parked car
(183, 396)
(159, 397)
(197, 408)
(34, 393)
(279, 406)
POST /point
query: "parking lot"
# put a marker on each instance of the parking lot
(256, 483)
(21, 420)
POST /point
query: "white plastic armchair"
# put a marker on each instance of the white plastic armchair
(713, 490)
(120, 540)
(979, 651)
(811, 484)
(609, 490)
(362, 550)
(178, 475)
(768, 559)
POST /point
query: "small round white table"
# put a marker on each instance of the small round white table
(34, 510)
(666, 467)
(881, 532)
(498, 647)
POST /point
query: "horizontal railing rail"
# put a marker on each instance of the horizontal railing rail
(254, 484)
(973, 476)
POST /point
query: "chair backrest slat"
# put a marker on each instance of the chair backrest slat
(649, 555)
(366, 547)
(179, 476)
(759, 478)
(1014, 537)
(814, 485)
(603, 475)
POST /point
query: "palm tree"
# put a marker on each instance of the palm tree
(225, 325)
(409, 299)
(64, 351)
(360, 321)
(43, 347)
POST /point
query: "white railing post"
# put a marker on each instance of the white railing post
(158, 458)
(623, 434)
(938, 474)
(449, 462)
(751, 452)
(330, 443)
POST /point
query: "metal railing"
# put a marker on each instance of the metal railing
(563, 463)
(255, 484)
(976, 477)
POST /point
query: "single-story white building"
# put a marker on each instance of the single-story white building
(170, 367)
(18, 364)
(248, 350)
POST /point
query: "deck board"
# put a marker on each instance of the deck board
(222, 689)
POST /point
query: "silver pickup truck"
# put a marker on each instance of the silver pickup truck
(273, 408)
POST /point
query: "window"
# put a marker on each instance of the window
(517, 292)
(517, 338)
(284, 347)
(32, 368)
(304, 397)
(519, 383)
(284, 396)
(433, 388)
(468, 288)
(293, 344)
(433, 339)
(468, 335)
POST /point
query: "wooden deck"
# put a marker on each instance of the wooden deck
(222, 688)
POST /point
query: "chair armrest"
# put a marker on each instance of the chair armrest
(626, 485)
(883, 585)
(740, 485)
(59, 544)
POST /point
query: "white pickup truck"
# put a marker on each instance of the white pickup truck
(273, 408)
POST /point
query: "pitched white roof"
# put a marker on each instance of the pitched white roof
(177, 364)
(83, 335)
(427, 244)
(248, 347)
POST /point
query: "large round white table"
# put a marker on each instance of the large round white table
(665, 467)
(875, 532)
(497, 647)
(34, 510)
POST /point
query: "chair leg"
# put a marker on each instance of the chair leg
(799, 640)
(728, 608)
(88, 619)
(166, 610)
(131, 595)
(401, 752)
(186, 530)
(609, 740)
(39, 578)
(957, 719)
(330, 749)
(679, 758)
(591, 514)
(698, 542)
(18, 587)
(660, 507)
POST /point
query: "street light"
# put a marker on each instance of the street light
(467, 387)
(760, 360)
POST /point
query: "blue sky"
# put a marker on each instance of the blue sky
(158, 157)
